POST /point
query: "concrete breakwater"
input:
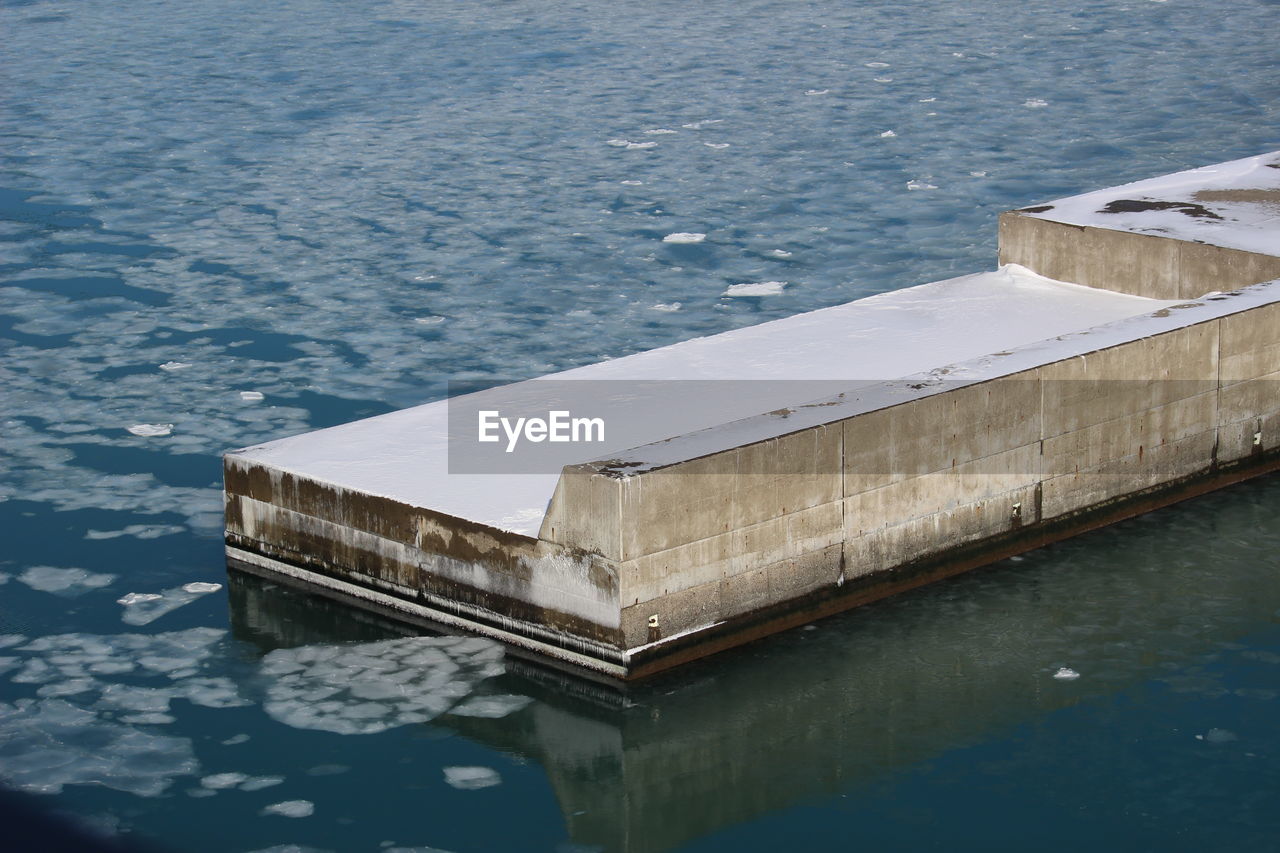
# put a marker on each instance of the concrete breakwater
(1126, 356)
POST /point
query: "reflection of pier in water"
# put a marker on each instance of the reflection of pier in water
(808, 714)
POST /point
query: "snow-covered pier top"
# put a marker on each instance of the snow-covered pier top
(754, 480)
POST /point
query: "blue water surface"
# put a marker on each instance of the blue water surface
(226, 222)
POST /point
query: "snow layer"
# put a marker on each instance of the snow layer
(405, 455)
(1235, 205)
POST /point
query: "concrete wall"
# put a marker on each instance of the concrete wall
(417, 555)
(1141, 264)
(717, 538)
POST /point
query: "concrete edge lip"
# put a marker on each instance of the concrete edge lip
(605, 664)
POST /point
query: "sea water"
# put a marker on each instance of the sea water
(226, 222)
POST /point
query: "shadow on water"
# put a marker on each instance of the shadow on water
(846, 703)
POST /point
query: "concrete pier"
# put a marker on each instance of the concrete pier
(954, 424)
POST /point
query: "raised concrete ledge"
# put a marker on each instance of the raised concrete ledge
(725, 530)
(1165, 237)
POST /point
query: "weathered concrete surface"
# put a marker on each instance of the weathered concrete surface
(1171, 237)
(1126, 262)
(669, 552)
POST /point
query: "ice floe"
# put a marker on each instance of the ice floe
(49, 743)
(219, 781)
(669, 307)
(138, 531)
(290, 808)
(151, 430)
(258, 783)
(684, 237)
(758, 288)
(64, 581)
(175, 365)
(143, 608)
(251, 396)
(371, 687)
(471, 778)
(1066, 674)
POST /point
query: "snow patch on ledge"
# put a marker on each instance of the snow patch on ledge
(1235, 205)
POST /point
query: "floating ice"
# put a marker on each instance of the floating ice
(143, 608)
(290, 808)
(328, 770)
(219, 781)
(888, 134)
(699, 125)
(632, 146)
(139, 531)
(780, 253)
(978, 174)
(1066, 674)
(669, 307)
(491, 707)
(884, 79)
(1220, 736)
(429, 320)
(67, 688)
(1035, 102)
(660, 131)
(64, 581)
(761, 288)
(876, 64)
(133, 598)
(236, 739)
(147, 719)
(175, 365)
(251, 396)
(46, 744)
(617, 143)
(71, 655)
(817, 91)
(151, 430)
(684, 237)
(257, 783)
(632, 183)
(471, 778)
(716, 145)
(371, 687)
(920, 185)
